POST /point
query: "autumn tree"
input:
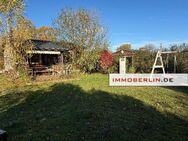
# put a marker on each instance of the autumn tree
(10, 12)
(23, 31)
(81, 28)
(45, 33)
(124, 47)
(24, 28)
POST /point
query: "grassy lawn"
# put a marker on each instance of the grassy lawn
(88, 109)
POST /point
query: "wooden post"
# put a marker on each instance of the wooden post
(60, 59)
(40, 59)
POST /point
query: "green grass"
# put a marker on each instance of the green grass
(88, 109)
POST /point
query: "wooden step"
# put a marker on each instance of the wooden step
(158, 66)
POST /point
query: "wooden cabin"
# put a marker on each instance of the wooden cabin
(45, 56)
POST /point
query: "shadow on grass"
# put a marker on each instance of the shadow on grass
(66, 112)
(183, 89)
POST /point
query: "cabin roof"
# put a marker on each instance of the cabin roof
(47, 45)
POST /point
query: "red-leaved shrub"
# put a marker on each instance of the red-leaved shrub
(105, 60)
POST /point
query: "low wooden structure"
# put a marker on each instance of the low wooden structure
(44, 56)
(3, 135)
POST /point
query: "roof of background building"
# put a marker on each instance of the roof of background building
(125, 53)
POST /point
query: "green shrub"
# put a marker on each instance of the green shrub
(88, 61)
(131, 70)
(115, 65)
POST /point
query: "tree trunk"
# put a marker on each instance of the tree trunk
(8, 58)
(8, 50)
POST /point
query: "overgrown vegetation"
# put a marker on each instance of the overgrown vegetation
(143, 60)
(182, 57)
(88, 61)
